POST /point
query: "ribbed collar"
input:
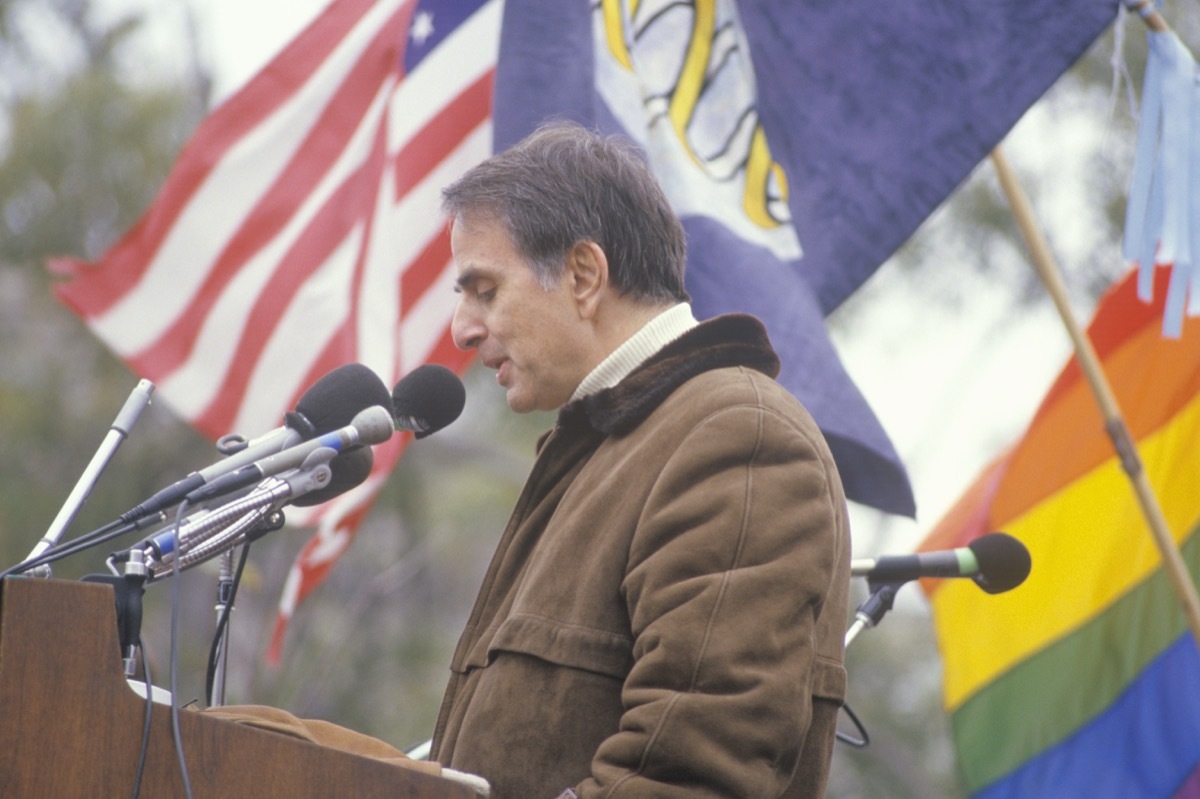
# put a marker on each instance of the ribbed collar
(638, 348)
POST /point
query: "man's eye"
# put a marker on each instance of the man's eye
(487, 296)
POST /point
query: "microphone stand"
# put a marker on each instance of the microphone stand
(138, 399)
(220, 532)
(872, 609)
(868, 615)
(224, 608)
(227, 585)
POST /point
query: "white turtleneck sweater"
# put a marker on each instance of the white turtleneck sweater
(654, 335)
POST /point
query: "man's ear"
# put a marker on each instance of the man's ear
(588, 267)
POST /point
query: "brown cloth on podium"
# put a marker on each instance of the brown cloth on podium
(320, 732)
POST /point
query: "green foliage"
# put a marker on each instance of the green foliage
(82, 163)
(79, 163)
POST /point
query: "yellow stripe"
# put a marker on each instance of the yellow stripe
(695, 67)
(759, 167)
(1089, 544)
(614, 32)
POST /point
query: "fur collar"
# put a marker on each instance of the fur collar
(730, 340)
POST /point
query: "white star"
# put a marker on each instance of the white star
(421, 28)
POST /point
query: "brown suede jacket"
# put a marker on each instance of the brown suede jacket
(665, 611)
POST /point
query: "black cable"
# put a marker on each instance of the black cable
(857, 743)
(175, 602)
(98, 536)
(210, 675)
(141, 766)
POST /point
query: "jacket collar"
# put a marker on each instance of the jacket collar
(730, 340)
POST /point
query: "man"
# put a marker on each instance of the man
(664, 613)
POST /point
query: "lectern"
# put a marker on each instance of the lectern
(70, 726)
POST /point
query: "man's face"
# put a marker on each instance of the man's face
(531, 336)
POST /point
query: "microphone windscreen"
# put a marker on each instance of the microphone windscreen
(1004, 562)
(430, 394)
(334, 400)
(350, 468)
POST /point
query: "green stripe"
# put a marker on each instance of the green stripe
(1047, 697)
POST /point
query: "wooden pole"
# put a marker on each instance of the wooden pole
(1145, 9)
(1114, 423)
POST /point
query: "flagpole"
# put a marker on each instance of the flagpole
(1146, 10)
(1114, 422)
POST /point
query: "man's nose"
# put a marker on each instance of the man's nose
(466, 328)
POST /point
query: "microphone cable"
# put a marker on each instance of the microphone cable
(175, 603)
(846, 738)
(108, 532)
(222, 623)
(141, 766)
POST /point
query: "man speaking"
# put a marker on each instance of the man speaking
(665, 610)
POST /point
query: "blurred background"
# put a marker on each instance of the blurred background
(953, 342)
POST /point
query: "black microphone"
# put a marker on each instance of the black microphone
(996, 562)
(350, 469)
(427, 399)
(335, 399)
(431, 391)
(329, 404)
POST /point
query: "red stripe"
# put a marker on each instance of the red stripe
(424, 270)
(92, 290)
(322, 146)
(314, 573)
(335, 354)
(420, 156)
(443, 133)
(447, 354)
(1124, 317)
(350, 206)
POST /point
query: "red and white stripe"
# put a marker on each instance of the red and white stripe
(299, 230)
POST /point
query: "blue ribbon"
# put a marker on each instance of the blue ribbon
(1161, 223)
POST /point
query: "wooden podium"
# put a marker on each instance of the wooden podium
(70, 726)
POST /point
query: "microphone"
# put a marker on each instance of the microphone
(197, 539)
(330, 403)
(424, 401)
(996, 562)
(427, 399)
(137, 401)
(371, 426)
(249, 516)
(349, 469)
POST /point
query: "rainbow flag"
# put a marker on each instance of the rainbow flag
(1084, 681)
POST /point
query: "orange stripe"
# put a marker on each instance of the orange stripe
(1152, 378)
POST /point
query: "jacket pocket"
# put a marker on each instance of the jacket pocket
(564, 644)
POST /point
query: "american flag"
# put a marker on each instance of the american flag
(300, 229)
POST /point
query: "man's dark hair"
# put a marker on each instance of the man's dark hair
(564, 184)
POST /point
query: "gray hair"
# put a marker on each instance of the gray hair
(564, 184)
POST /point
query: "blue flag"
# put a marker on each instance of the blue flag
(800, 142)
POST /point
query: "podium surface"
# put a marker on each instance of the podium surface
(70, 726)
